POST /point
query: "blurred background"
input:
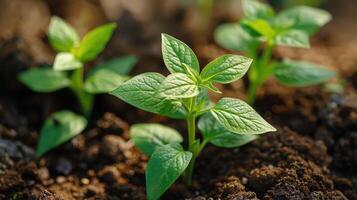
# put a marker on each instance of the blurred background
(24, 23)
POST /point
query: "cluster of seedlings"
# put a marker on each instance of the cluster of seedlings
(184, 93)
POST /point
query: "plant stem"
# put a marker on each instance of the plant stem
(191, 124)
(258, 73)
(85, 99)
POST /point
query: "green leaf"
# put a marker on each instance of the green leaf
(226, 69)
(303, 18)
(298, 74)
(233, 37)
(103, 81)
(142, 91)
(66, 61)
(237, 116)
(176, 54)
(44, 79)
(147, 137)
(120, 65)
(260, 27)
(59, 128)
(293, 38)
(165, 166)
(216, 134)
(94, 42)
(255, 10)
(61, 35)
(178, 85)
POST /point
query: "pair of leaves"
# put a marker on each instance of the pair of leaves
(185, 80)
(167, 161)
(59, 128)
(103, 78)
(300, 73)
(73, 51)
(291, 27)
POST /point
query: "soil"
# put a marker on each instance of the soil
(313, 155)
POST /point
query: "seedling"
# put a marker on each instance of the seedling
(262, 27)
(68, 72)
(184, 95)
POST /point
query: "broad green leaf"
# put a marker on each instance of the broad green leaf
(142, 91)
(260, 27)
(165, 166)
(300, 73)
(216, 134)
(237, 116)
(226, 69)
(147, 137)
(59, 128)
(178, 85)
(176, 54)
(94, 42)
(233, 37)
(61, 35)
(304, 18)
(102, 81)
(256, 10)
(66, 61)
(120, 65)
(293, 38)
(44, 79)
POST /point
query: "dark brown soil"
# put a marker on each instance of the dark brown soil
(312, 156)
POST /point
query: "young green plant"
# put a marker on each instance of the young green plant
(68, 72)
(184, 95)
(262, 27)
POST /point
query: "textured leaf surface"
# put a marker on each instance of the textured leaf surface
(176, 54)
(165, 166)
(66, 61)
(226, 69)
(44, 79)
(294, 38)
(304, 18)
(61, 35)
(255, 9)
(237, 116)
(142, 91)
(147, 137)
(178, 85)
(59, 128)
(216, 134)
(297, 73)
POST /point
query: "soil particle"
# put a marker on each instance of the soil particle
(281, 165)
(46, 195)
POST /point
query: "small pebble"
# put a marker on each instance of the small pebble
(244, 180)
(61, 179)
(85, 181)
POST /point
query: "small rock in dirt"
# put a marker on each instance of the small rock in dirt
(46, 195)
(113, 147)
(60, 179)
(16, 150)
(109, 174)
(85, 181)
(63, 166)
